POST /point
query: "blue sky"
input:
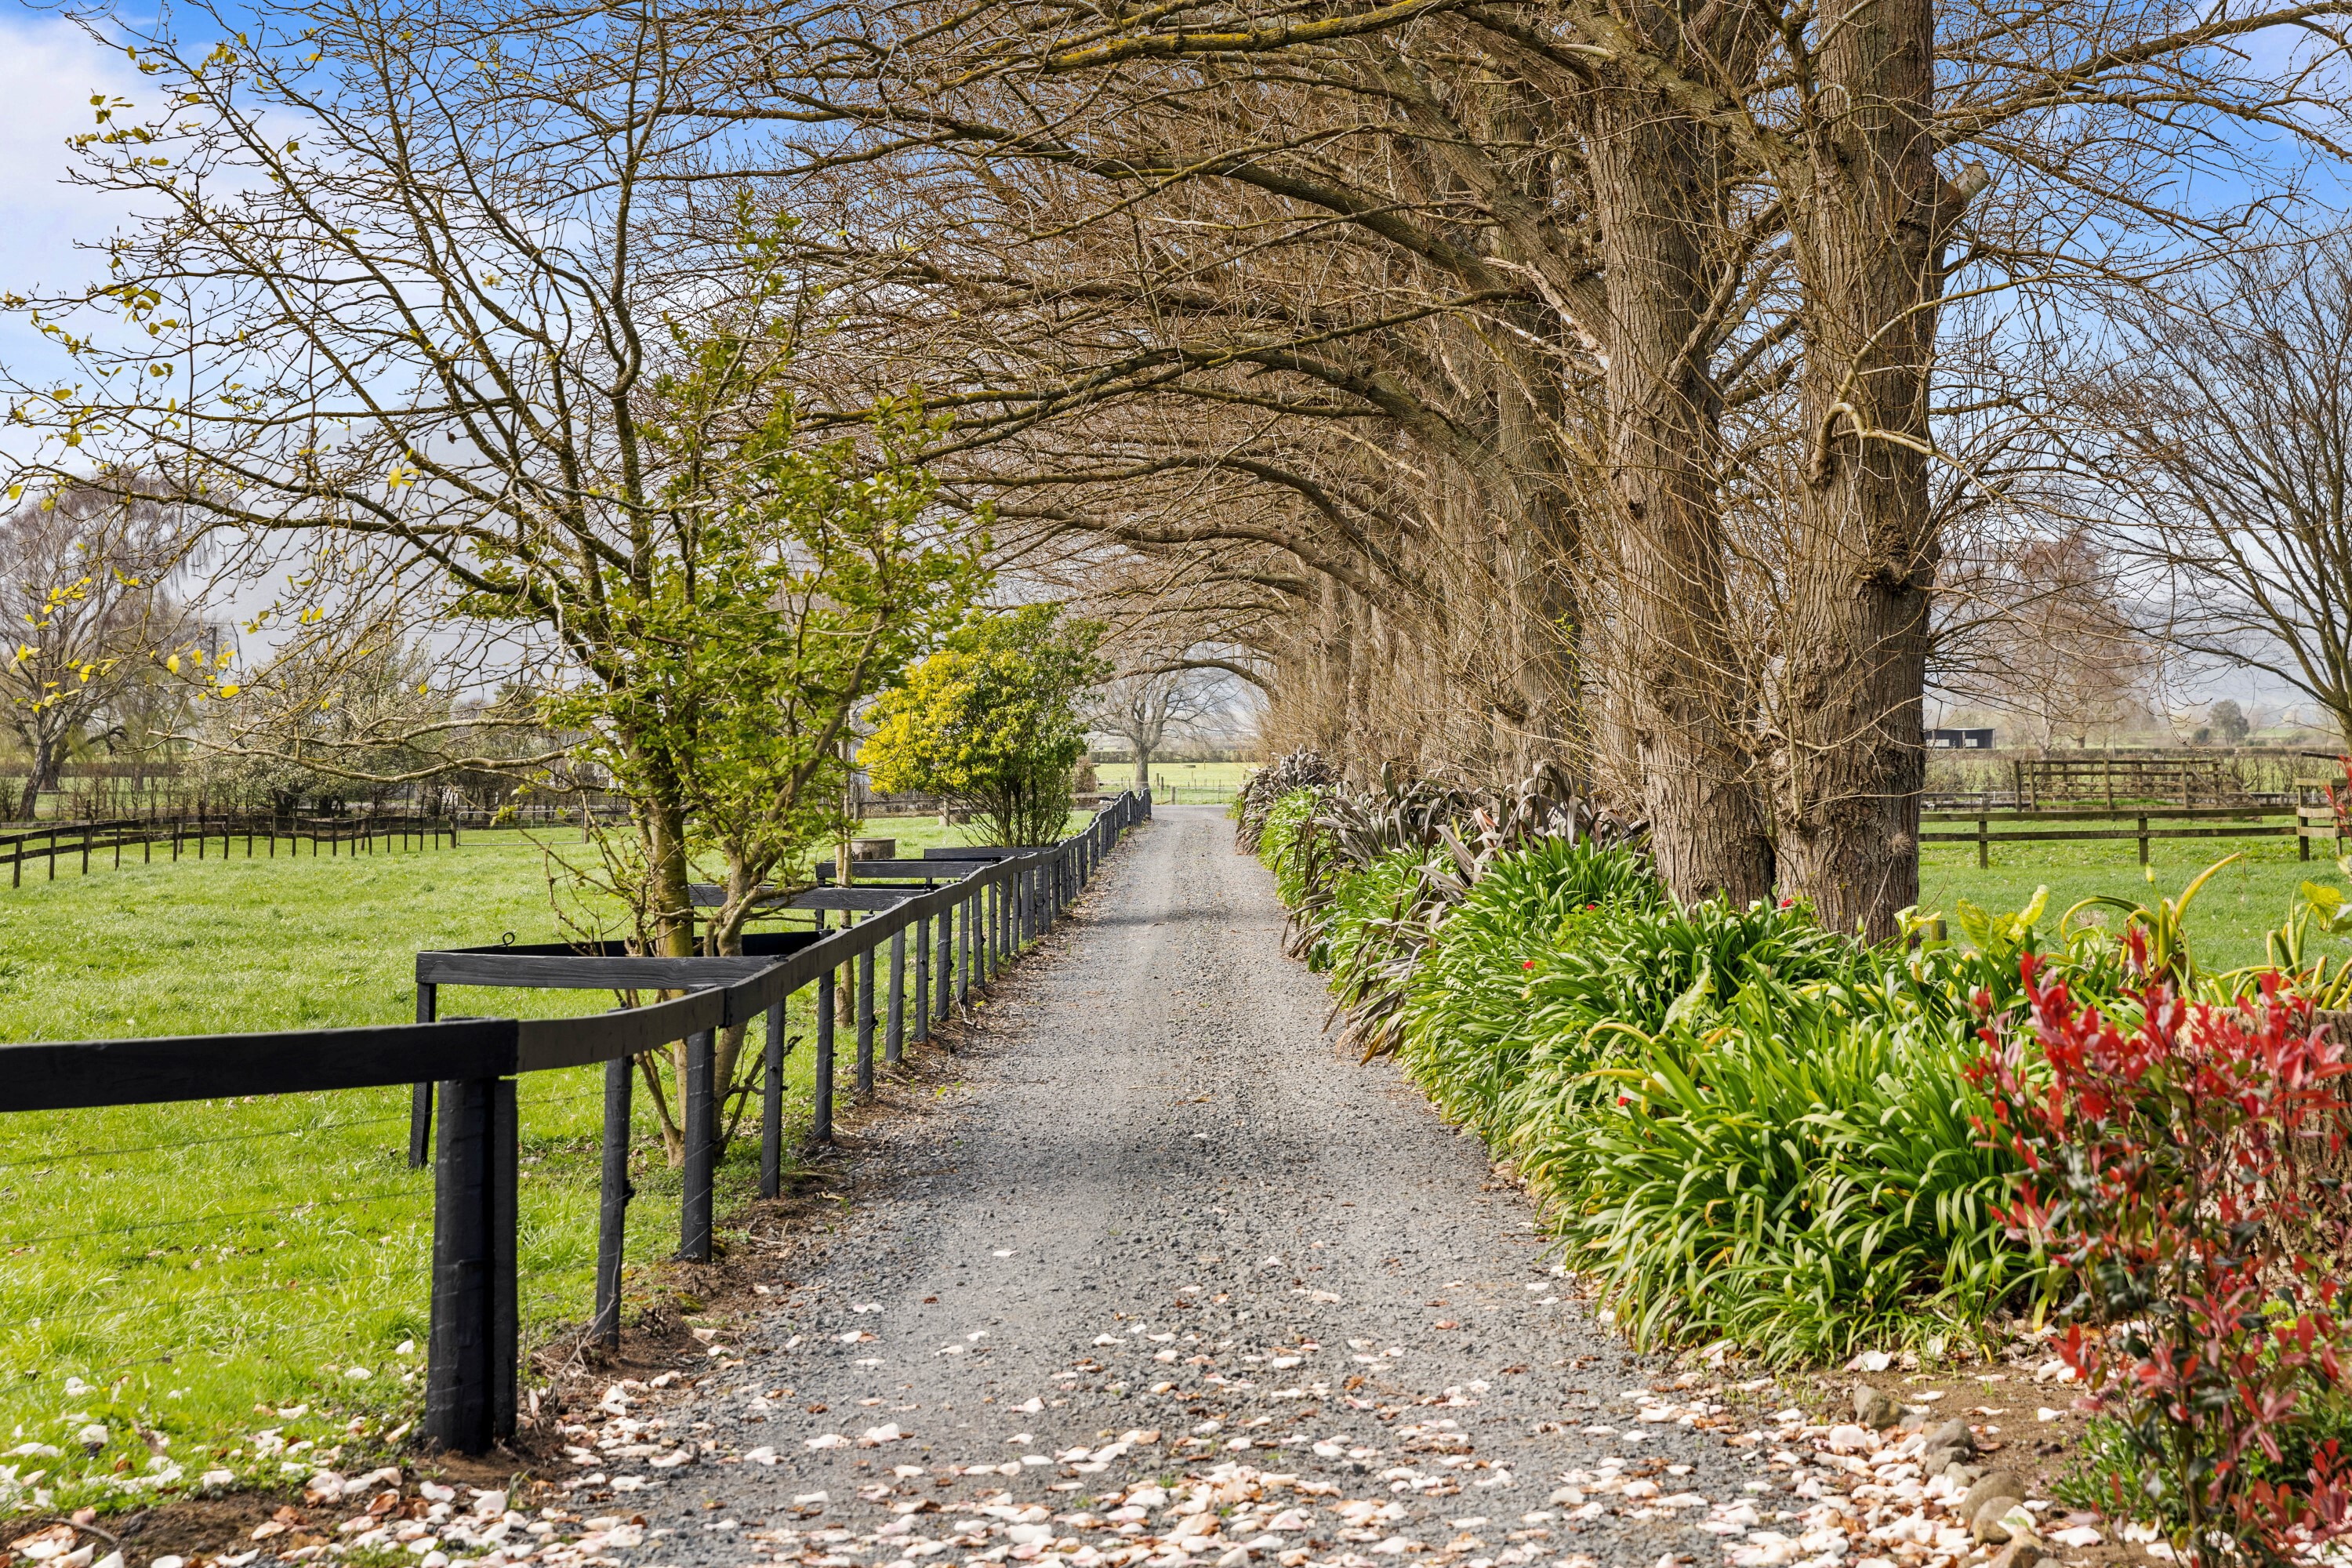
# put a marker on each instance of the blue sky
(47, 71)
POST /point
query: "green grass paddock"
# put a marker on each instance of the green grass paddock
(198, 1274)
(2226, 923)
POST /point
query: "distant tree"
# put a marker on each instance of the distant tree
(991, 721)
(1147, 708)
(2052, 642)
(89, 617)
(2228, 722)
(2229, 426)
(324, 722)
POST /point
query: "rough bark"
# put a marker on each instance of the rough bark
(42, 775)
(1683, 687)
(1867, 233)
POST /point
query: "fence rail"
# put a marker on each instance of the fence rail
(463, 1072)
(50, 842)
(2305, 821)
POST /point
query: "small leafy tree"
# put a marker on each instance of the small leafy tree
(82, 588)
(808, 575)
(991, 721)
(2165, 1166)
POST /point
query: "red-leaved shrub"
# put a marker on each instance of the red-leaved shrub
(2162, 1173)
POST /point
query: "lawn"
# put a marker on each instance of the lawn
(246, 1280)
(2226, 924)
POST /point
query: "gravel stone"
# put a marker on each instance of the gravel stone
(1953, 1434)
(1876, 1408)
(1987, 1523)
(1990, 1485)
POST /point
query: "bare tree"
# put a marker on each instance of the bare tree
(2056, 646)
(2227, 438)
(1147, 708)
(83, 586)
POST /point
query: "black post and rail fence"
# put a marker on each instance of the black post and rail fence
(218, 838)
(942, 926)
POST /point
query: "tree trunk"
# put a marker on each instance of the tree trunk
(670, 918)
(1868, 230)
(43, 776)
(1142, 765)
(1682, 691)
(669, 878)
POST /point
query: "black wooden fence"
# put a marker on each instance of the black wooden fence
(964, 930)
(50, 842)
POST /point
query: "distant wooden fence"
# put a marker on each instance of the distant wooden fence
(52, 841)
(2311, 815)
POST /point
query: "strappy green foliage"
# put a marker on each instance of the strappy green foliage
(1802, 1179)
(1741, 1127)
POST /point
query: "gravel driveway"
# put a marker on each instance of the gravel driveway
(1165, 1279)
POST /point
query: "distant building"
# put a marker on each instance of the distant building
(1960, 740)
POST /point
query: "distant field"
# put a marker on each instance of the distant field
(190, 1262)
(1180, 781)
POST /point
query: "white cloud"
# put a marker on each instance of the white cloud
(48, 69)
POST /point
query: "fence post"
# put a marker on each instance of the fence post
(821, 1118)
(613, 1202)
(420, 1096)
(894, 1033)
(1984, 844)
(2143, 840)
(694, 1212)
(865, 1006)
(470, 1363)
(945, 962)
(771, 1107)
(922, 997)
(962, 971)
